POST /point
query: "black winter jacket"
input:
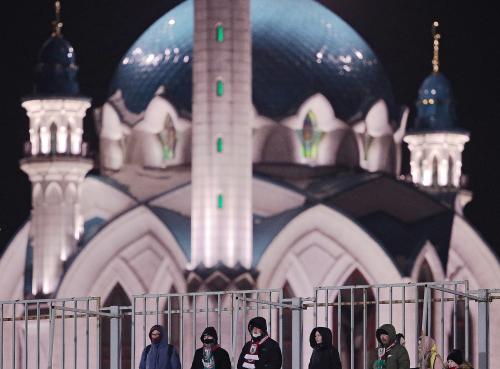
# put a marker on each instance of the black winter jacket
(325, 355)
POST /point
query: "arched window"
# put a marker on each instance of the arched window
(117, 297)
(425, 275)
(458, 342)
(175, 319)
(450, 172)
(53, 139)
(356, 278)
(287, 329)
(168, 138)
(310, 136)
(435, 171)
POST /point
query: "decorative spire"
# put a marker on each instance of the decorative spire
(437, 36)
(57, 24)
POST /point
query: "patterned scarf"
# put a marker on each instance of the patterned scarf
(253, 354)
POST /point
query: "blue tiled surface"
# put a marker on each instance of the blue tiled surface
(56, 69)
(440, 115)
(299, 48)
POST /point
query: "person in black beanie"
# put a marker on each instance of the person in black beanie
(261, 352)
(211, 355)
(325, 355)
(455, 360)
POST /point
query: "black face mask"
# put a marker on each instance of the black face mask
(208, 341)
(156, 339)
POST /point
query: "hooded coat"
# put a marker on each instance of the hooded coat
(325, 355)
(221, 357)
(159, 355)
(268, 352)
(428, 355)
(397, 357)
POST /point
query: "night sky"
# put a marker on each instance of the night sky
(399, 31)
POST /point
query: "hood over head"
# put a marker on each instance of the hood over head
(211, 331)
(327, 337)
(386, 329)
(258, 322)
(159, 328)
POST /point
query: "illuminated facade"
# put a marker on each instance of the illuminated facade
(234, 139)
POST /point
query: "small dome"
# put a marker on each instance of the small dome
(56, 69)
(435, 104)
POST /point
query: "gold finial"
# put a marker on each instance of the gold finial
(57, 24)
(437, 36)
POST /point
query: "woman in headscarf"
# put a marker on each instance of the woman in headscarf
(428, 354)
(325, 355)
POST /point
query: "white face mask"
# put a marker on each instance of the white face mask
(256, 335)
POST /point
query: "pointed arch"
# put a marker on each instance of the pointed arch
(116, 297)
(377, 120)
(356, 278)
(53, 193)
(319, 104)
(128, 250)
(287, 328)
(324, 233)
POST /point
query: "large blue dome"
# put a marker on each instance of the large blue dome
(299, 48)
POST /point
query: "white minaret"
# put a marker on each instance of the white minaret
(221, 223)
(55, 160)
(436, 144)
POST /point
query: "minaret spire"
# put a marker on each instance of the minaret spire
(437, 37)
(221, 221)
(55, 160)
(57, 24)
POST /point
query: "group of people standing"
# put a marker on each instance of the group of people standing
(392, 354)
(262, 352)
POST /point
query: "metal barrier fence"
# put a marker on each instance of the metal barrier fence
(189, 314)
(30, 337)
(68, 333)
(355, 312)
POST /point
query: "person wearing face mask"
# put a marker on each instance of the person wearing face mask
(159, 354)
(325, 355)
(261, 352)
(211, 355)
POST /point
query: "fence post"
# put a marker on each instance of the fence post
(296, 333)
(115, 339)
(483, 329)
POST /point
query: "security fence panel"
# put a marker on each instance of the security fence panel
(49, 333)
(354, 313)
(185, 316)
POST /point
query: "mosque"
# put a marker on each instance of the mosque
(240, 148)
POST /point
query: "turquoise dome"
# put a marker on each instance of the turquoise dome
(299, 48)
